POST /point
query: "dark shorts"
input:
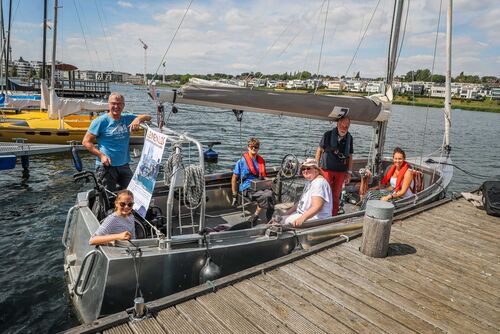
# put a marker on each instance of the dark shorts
(113, 176)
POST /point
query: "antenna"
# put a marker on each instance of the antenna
(145, 47)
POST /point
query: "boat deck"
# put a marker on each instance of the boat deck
(441, 275)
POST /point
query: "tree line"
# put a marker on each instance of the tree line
(415, 75)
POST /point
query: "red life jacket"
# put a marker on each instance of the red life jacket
(251, 166)
(401, 175)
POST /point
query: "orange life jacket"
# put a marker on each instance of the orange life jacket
(261, 163)
(401, 175)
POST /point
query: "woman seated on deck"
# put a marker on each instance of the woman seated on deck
(396, 184)
(316, 199)
(120, 224)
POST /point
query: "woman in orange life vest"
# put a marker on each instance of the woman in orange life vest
(396, 184)
(249, 167)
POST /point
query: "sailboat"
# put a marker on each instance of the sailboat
(57, 120)
(179, 244)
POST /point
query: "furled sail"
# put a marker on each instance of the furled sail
(60, 107)
(361, 110)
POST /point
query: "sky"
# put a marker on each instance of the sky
(270, 36)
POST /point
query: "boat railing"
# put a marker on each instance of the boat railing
(177, 139)
(66, 226)
(83, 269)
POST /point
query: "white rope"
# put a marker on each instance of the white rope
(194, 183)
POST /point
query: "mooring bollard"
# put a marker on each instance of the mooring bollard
(377, 228)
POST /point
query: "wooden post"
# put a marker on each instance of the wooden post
(377, 228)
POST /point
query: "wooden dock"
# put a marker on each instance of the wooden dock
(441, 276)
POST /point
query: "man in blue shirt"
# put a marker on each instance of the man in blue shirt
(249, 167)
(111, 131)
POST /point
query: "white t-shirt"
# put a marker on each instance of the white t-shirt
(408, 191)
(317, 187)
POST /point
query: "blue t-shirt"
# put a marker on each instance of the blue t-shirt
(241, 169)
(113, 137)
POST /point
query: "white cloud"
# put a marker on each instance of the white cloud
(125, 4)
(265, 35)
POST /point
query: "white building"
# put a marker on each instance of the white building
(438, 91)
(23, 67)
(374, 87)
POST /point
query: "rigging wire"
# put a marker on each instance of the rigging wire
(322, 43)
(302, 18)
(105, 35)
(475, 175)
(362, 38)
(432, 73)
(83, 34)
(97, 57)
(311, 40)
(171, 41)
(106, 26)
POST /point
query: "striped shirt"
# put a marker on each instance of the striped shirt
(114, 224)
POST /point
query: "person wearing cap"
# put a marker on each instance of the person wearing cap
(316, 199)
(252, 166)
(334, 155)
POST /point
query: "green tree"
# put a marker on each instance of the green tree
(305, 75)
(185, 78)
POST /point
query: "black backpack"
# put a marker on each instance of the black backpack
(491, 197)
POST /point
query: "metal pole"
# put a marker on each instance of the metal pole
(44, 46)
(2, 53)
(145, 66)
(393, 47)
(7, 85)
(447, 102)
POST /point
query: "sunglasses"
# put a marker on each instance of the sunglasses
(306, 168)
(123, 204)
(254, 147)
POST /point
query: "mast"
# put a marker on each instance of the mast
(381, 128)
(53, 70)
(7, 48)
(2, 52)
(447, 102)
(44, 46)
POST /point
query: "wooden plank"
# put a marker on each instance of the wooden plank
(101, 324)
(416, 311)
(146, 326)
(467, 212)
(462, 301)
(371, 308)
(227, 315)
(301, 305)
(200, 318)
(347, 317)
(121, 329)
(465, 226)
(287, 315)
(450, 277)
(481, 279)
(453, 220)
(454, 239)
(399, 282)
(457, 255)
(252, 311)
(174, 322)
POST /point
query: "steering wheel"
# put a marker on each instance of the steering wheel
(289, 166)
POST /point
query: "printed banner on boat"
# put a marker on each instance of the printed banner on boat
(144, 179)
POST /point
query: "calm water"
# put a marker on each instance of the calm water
(32, 291)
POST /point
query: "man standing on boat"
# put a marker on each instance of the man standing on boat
(334, 155)
(252, 166)
(111, 131)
